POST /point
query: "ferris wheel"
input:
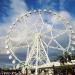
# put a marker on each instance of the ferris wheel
(36, 33)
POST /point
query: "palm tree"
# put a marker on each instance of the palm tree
(66, 57)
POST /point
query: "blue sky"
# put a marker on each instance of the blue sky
(6, 10)
(10, 9)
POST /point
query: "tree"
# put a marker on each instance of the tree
(66, 57)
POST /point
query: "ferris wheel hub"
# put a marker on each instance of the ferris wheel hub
(37, 35)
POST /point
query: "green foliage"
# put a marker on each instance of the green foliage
(66, 57)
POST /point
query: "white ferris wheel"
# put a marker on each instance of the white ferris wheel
(35, 34)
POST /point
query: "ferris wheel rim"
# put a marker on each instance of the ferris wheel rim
(26, 15)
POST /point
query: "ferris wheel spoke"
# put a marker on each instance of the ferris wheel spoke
(27, 45)
(15, 56)
(36, 23)
(48, 43)
(20, 47)
(45, 43)
(59, 44)
(59, 30)
(30, 23)
(58, 35)
(42, 22)
(52, 47)
(35, 27)
(47, 37)
(48, 46)
(45, 32)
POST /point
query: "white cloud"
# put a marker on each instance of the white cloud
(73, 24)
(65, 14)
(18, 7)
(61, 15)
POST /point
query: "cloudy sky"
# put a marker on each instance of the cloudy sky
(10, 9)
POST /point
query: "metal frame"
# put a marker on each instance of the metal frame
(38, 50)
